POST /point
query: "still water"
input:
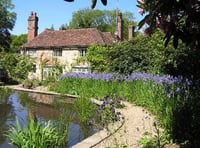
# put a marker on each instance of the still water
(16, 104)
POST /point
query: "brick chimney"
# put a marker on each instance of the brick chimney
(131, 30)
(119, 32)
(32, 26)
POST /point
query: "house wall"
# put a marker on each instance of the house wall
(68, 59)
(41, 54)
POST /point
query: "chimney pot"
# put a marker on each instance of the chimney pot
(32, 26)
(120, 26)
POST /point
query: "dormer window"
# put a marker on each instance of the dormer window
(57, 52)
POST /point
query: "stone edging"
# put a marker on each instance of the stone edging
(93, 140)
(100, 136)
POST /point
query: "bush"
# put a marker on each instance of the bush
(27, 84)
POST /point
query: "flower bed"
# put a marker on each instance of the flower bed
(161, 95)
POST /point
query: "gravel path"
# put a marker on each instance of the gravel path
(137, 122)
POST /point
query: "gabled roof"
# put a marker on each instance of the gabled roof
(71, 38)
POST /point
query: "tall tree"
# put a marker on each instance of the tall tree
(7, 21)
(104, 20)
(17, 41)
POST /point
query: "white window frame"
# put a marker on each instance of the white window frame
(46, 70)
(78, 69)
(32, 52)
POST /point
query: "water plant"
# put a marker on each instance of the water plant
(35, 135)
(85, 109)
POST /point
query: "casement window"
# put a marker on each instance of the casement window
(82, 52)
(57, 52)
(32, 52)
(46, 71)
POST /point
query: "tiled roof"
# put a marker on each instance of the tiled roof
(70, 38)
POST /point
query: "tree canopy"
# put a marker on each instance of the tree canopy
(179, 19)
(104, 20)
(7, 21)
(17, 41)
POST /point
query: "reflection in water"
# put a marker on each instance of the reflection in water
(21, 104)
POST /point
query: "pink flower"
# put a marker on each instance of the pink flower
(141, 11)
(158, 22)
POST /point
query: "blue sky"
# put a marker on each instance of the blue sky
(58, 12)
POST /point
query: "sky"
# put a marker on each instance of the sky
(58, 12)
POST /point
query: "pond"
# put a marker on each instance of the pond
(18, 104)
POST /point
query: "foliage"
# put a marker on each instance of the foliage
(17, 67)
(93, 4)
(147, 141)
(17, 42)
(23, 66)
(8, 62)
(4, 91)
(43, 62)
(162, 95)
(85, 109)
(56, 70)
(178, 19)
(35, 135)
(132, 56)
(97, 55)
(104, 2)
(104, 20)
(150, 141)
(3, 75)
(186, 63)
(7, 21)
(107, 111)
(27, 84)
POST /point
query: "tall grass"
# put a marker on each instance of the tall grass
(161, 95)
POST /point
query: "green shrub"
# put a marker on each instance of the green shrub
(27, 84)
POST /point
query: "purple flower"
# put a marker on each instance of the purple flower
(118, 113)
(169, 95)
(90, 122)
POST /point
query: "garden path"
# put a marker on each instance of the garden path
(137, 122)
